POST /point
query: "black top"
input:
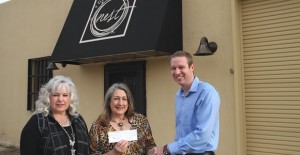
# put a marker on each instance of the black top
(30, 131)
(36, 142)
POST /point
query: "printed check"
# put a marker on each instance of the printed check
(116, 136)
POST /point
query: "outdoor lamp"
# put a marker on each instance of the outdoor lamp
(206, 48)
(52, 66)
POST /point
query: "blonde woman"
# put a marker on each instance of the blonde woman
(56, 126)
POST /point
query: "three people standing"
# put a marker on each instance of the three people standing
(63, 131)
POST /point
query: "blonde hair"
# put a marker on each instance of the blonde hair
(57, 82)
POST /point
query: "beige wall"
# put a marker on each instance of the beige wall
(30, 29)
(212, 18)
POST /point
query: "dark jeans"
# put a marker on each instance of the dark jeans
(204, 153)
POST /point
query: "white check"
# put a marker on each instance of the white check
(116, 136)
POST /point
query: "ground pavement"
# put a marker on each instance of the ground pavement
(9, 151)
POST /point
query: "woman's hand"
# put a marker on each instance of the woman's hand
(120, 147)
(152, 151)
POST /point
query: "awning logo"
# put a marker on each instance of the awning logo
(108, 19)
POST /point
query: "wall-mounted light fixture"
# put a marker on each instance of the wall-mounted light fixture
(52, 66)
(206, 48)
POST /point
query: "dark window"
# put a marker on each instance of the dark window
(132, 74)
(38, 74)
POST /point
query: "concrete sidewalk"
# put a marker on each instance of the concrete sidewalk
(10, 152)
(8, 149)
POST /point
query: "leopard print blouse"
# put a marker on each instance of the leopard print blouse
(99, 137)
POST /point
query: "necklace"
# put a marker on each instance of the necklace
(120, 124)
(72, 141)
(66, 124)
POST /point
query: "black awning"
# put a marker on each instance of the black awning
(109, 30)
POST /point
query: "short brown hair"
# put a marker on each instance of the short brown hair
(183, 54)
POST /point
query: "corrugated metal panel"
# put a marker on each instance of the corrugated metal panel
(271, 51)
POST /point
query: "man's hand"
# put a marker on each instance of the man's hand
(152, 151)
(160, 151)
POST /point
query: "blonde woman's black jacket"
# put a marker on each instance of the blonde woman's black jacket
(43, 135)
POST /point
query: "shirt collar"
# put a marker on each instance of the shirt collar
(193, 87)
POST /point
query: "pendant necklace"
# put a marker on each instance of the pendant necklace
(120, 124)
(72, 141)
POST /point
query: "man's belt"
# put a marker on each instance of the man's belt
(204, 153)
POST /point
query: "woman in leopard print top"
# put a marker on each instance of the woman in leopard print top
(119, 115)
